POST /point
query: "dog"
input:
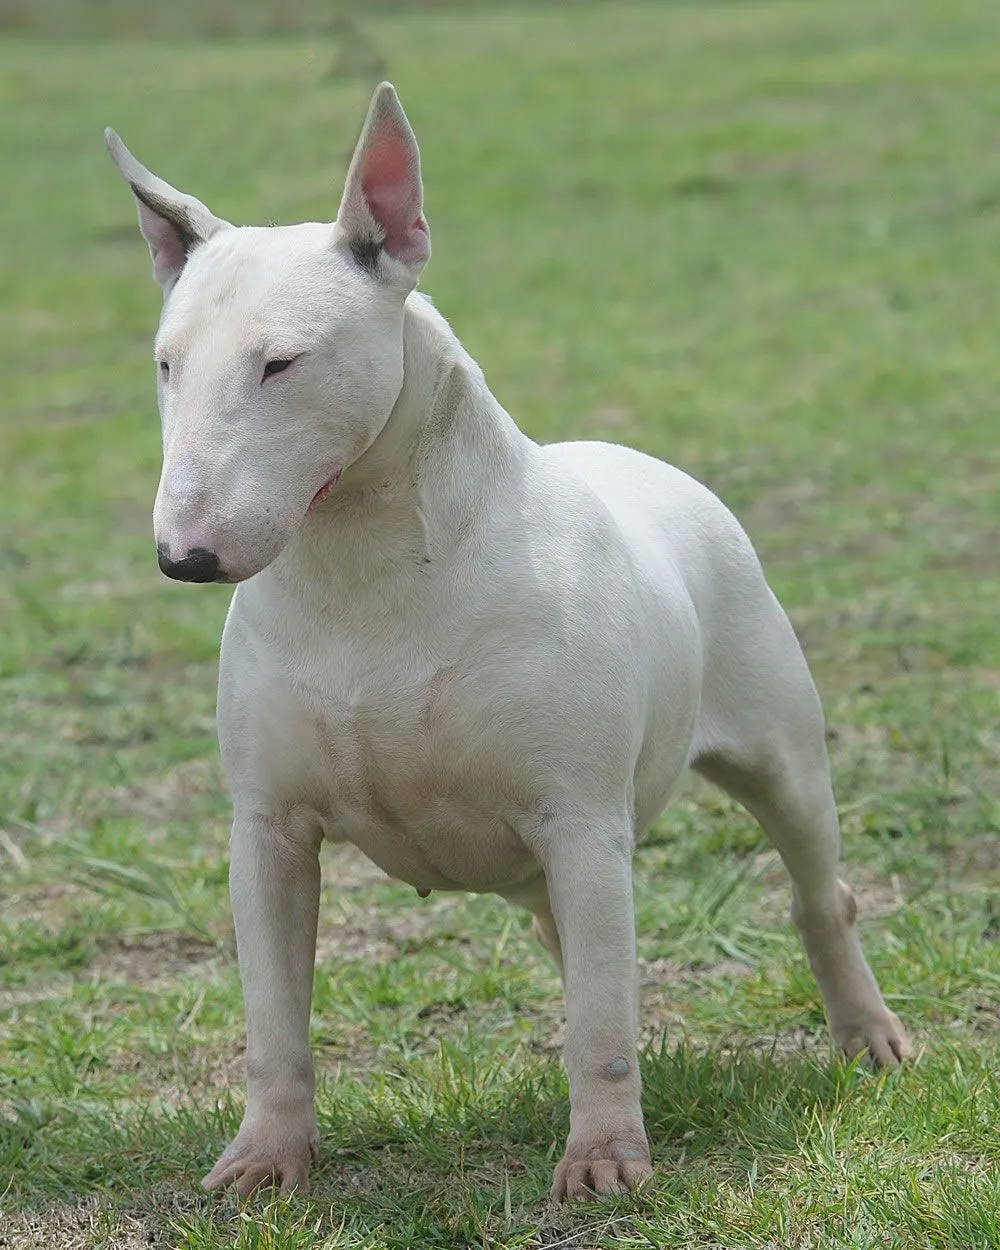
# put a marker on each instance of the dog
(482, 661)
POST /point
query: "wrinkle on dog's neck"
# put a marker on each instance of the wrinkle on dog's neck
(443, 404)
(445, 449)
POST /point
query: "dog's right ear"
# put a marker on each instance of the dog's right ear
(382, 210)
(171, 222)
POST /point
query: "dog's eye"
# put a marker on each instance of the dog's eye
(275, 366)
(164, 370)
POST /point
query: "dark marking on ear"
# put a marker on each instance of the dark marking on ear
(177, 217)
(366, 253)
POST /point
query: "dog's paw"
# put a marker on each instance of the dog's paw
(880, 1034)
(613, 1165)
(258, 1157)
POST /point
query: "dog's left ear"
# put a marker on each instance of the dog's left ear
(171, 222)
(382, 211)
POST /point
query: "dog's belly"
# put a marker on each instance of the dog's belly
(441, 848)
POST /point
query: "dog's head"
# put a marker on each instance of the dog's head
(279, 354)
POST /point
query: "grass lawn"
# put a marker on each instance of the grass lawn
(760, 239)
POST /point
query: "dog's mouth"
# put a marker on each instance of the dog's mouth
(325, 489)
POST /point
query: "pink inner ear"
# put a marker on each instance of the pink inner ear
(390, 180)
(165, 244)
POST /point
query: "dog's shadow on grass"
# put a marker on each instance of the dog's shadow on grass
(487, 1131)
(733, 1106)
(439, 1144)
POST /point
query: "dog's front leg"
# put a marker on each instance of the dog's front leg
(274, 882)
(589, 876)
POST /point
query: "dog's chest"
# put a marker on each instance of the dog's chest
(414, 769)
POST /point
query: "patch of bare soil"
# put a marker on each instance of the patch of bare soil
(980, 854)
(74, 1228)
(876, 894)
(55, 988)
(660, 972)
(171, 795)
(987, 1017)
(665, 983)
(152, 959)
(51, 900)
(84, 1224)
(794, 1040)
(355, 927)
(193, 1076)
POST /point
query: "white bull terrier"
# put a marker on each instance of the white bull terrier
(484, 662)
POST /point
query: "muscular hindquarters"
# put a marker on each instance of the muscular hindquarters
(729, 690)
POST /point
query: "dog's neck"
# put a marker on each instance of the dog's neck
(444, 398)
(446, 450)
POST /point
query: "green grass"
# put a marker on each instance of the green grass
(760, 239)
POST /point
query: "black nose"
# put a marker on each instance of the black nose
(199, 565)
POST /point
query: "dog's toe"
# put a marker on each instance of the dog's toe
(612, 1166)
(250, 1162)
(246, 1175)
(599, 1178)
(882, 1036)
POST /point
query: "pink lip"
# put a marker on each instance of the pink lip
(325, 489)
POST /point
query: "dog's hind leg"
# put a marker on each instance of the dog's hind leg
(762, 740)
(544, 928)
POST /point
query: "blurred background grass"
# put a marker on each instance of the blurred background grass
(210, 19)
(760, 239)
